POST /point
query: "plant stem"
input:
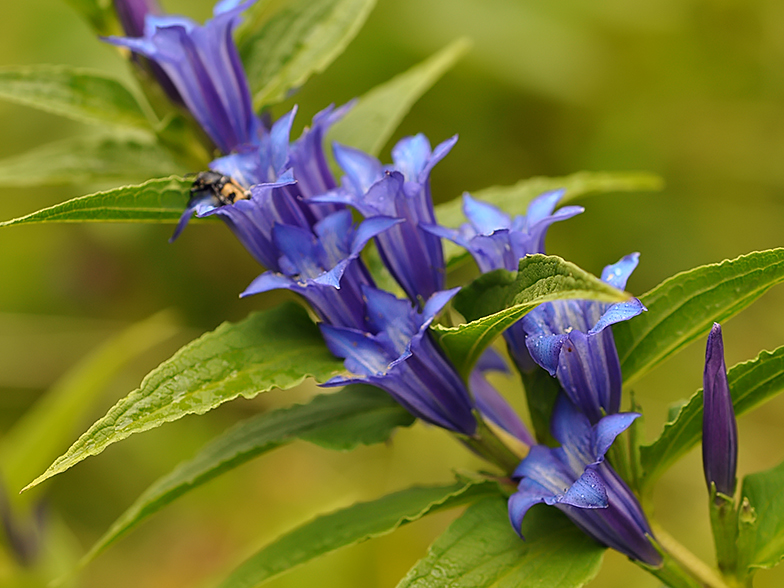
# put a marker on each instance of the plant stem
(686, 561)
(487, 445)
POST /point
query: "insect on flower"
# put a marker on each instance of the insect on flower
(223, 189)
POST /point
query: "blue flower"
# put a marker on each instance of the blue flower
(204, 66)
(281, 177)
(577, 480)
(719, 429)
(412, 255)
(496, 241)
(397, 354)
(322, 265)
(570, 339)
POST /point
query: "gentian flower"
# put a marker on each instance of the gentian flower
(322, 265)
(204, 66)
(497, 241)
(719, 429)
(413, 256)
(281, 177)
(570, 339)
(576, 479)
(398, 355)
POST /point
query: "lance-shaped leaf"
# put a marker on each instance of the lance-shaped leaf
(370, 124)
(159, 200)
(277, 348)
(357, 415)
(99, 14)
(751, 383)
(87, 159)
(514, 200)
(480, 550)
(498, 299)
(80, 94)
(351, 525)
(372, 121)
(685, 306)
(39, 435)
(762, 542)
(300, 40)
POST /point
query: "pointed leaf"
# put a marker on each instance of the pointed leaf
(40, 434)
(357, 415)
(514, 200)
(300, 40)
(359, 522)
(764, 542)
(159, 200)
(98, 13)
(276, 348)
(751, 383)
(497, 300)
(84, 95)
(373, 120)
(480, 550)
(685, 306)
(87, 159)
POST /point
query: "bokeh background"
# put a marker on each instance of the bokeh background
(690, 89)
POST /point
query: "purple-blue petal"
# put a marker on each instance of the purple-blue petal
(608, 428)
(588, 491)
(618, 273)
(615, 313)
(485, 218)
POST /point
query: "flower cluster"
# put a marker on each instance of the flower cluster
(296, 220)
(572, 341)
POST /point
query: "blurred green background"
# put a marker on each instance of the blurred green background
(692, 90)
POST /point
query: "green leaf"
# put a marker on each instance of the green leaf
(41, 433)
(82, 160)
(481, 550)
(99, 14)
(497, 300)
(683, 307)
(80, 94)
(351, 525)
(515, 199)
(276, 348)
(751, 384)
(357, 415)
(764, 543)
(159, 200)
(300, 40)
(373, 120)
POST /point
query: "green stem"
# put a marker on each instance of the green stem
(686, 561)
(672, 574)
(487, 445)
(724, 524)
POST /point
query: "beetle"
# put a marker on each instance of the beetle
(222, 188)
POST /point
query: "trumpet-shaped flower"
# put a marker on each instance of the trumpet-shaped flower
(204, 66)
(570, 339)
(719, 429)
(412, 255)
(577, 480)
(281, 177)
(322, 266)
(497, 241)
(397, 354)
